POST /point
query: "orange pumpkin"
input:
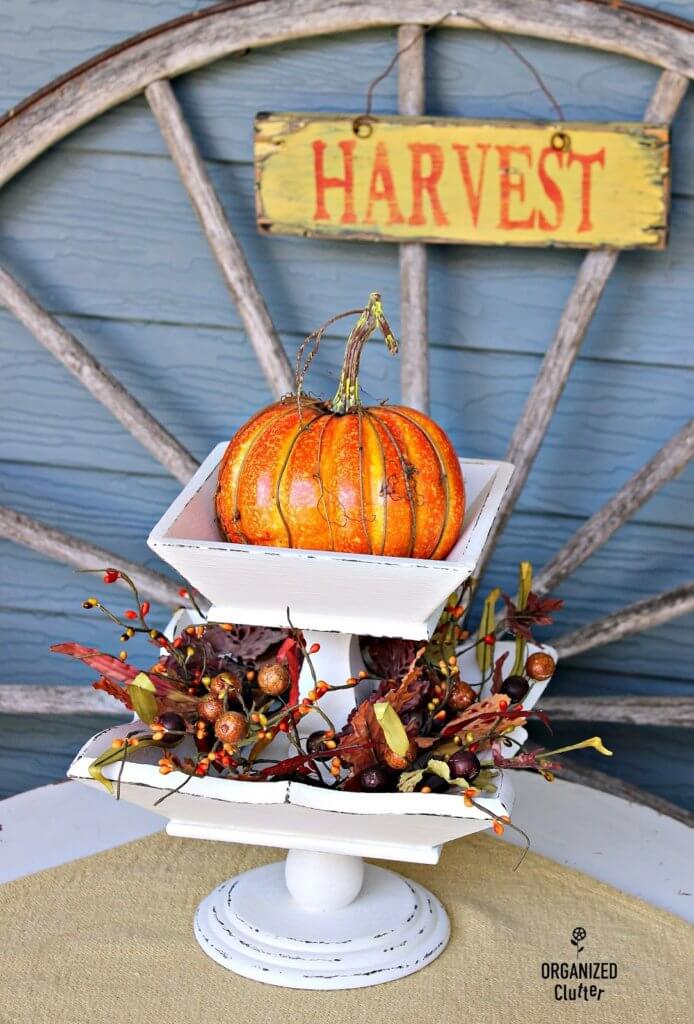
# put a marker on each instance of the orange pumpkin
(337, 476)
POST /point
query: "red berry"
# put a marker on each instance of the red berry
(489, 639)
(111, 575)
(144, 608)
(183, 592)
(130, 614)
(314, 649)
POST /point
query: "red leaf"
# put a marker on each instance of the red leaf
(113, 690)
(289, 653)
(497, 678)
(105, 664)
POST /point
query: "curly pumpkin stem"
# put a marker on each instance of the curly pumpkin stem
(347, 395)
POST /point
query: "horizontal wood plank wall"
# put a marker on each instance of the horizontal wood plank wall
(101, 231)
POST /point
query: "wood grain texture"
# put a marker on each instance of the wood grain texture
(633, 619)
(222, 240)
(99, 382)
(471, 74)
(203, 391)
(646, 711)
(187, 44)
(665, 465)
(41, 537)
(593, 275)
(414, 275)
(136, 252)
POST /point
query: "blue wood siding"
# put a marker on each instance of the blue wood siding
(101, 231)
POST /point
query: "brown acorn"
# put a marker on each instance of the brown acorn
(540, 666)
(230, 727)
(210, 708)
(461, 696)
(273, 678)
(225, 682)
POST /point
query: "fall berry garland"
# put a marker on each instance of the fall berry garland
(219, 694)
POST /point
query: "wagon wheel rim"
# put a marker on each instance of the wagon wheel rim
(145, 63)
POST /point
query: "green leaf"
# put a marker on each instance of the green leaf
(439, 768)
(112, 755)
(393, 729)
(519, 660)
(143, 681)
(143, 701)
(408, 781)
(97, 774)
(525, 584)
(485, 652)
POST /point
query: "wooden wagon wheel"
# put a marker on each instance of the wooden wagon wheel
(146, 63)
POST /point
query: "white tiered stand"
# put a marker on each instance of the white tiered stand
(322, 919)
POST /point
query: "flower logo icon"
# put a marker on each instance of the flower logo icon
(577, 937)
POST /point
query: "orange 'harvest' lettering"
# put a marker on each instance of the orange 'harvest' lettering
(323, 183)
(474, 192)
(586, 160)
(552, 190)
(426, 182)
(509, 185)
(382, 187)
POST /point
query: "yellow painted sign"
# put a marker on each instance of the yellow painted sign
(476, 182)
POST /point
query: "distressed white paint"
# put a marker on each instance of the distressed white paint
(393, 927)
(363, 594)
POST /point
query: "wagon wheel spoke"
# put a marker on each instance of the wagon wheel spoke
(414, 290)
(580, 307)
(63, 547)
(665, 465)
(635, 618)
(98, 381)
(222, 240)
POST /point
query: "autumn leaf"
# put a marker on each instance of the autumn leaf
(113, 690)
(290, 654)
(113, 669)
(536, 612)
(485, 652)
(497, 677)
(393, 729)
(478, 719)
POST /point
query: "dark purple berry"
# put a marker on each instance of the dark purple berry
(516, 688)
(205, 743)
(464, 765)
(434, 783)
(315, 744)
(412, 717)
(374, 779)
(172, 725)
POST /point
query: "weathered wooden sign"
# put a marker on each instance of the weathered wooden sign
(478, 182)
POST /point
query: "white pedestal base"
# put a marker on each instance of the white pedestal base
(255, 925)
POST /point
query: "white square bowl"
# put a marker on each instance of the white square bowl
(323, 590)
